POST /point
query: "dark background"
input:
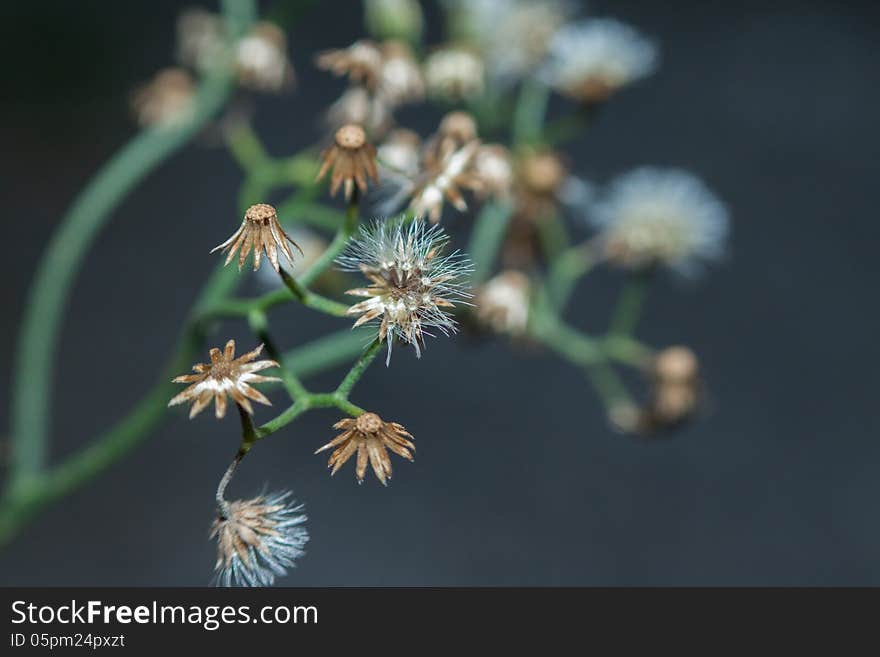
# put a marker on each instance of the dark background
(518, 480)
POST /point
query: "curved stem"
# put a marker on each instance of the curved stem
(358, 369)
(46, 303)
(259, 325)
(488, 233)
(629, 305)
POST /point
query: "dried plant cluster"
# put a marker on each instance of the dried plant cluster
(494, 168)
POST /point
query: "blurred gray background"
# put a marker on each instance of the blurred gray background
(517, 480)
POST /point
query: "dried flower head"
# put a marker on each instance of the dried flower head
(352, 159)
(400, 79)
(456, 129)
(361, 62)
(458, 126)
(676, 364)
(360, 107)
(167, 100)
(494, 169)
(592, 59)
(671, 404)
(370, 436)
(258, 539)
(512, 35)
(454, 73)
(401, 152)
(667, 217)
(412, 283)
(540, 177)
(444, 180)
(502, 303)
(542, 173)
(261, 231)
(201, 39)
(225, 375)
(261, 59)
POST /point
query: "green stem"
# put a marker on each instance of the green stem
(46, 303)
(553, 236)
(247, 149)
(312, 300)
(488, 233)
(629, 305)
(528, 116)
(358, 369)
(565, 271)
(259, 325)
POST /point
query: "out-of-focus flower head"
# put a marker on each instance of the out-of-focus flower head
(259, 57)
(502, 303)
(454, 73)
(675, 390)
(592, 59)
(444, 180)
(412, 284)
(261, 60)
(445, 168)
(400, 78)
(456, 129)
(225, 375)
(512, 35)
(494, 169)
(261, 231)
(359, 106)
(394, 19)
(540, 178)
(651, 217)
(351, 158)
(361, 62)
(370, 437)
(258, 539)
(401, 152)
(165, 101)
(201, 39)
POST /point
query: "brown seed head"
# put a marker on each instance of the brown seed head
(458, 125)
(368, 423)
(676, 365)
(673, 402)
(543, 173)
(370, 438)
(261, 213)
(351, 137)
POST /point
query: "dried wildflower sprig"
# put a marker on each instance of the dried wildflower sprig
(412, 284)
(261, 231)
(351, 158)
(225, 375)
(370, 437)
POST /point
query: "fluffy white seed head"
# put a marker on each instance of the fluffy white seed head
(454, 73)
(591, 59)
(661, 217)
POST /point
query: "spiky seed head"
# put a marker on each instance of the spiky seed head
(258, 539)
(412, 283)
(225, 375)
(370, 437)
